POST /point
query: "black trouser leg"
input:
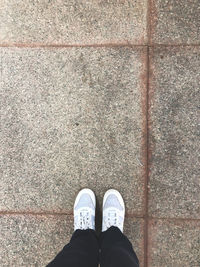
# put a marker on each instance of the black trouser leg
(82, 251)
(116, 250)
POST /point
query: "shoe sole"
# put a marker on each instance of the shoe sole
(85, 191)
(117, 194)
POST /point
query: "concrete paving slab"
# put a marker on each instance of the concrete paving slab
(32, 240)
(35, 240)
(71, 118)
(174, 243)
(174, 136)
(73, 22)
(134, 230)
(175, 22)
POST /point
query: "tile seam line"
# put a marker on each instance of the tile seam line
(35, 213)
(174, 219)
(137, 216)
(19, 45)
(96, 45)
(70, 213)
(148, 20)
(173, 45)
(54, 212)
(147, 165)
(146, 221)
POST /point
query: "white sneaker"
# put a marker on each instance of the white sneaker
(84, 210)
(113, 210)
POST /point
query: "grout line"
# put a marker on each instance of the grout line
(128, 215)
(173, 45)
(70, 213)
(146, 221)
(148, 22)
(147, 166)
(21, 45)
(127, 44)
(52, 213)
(174, 219)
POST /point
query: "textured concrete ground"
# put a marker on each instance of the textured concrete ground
(100, 94)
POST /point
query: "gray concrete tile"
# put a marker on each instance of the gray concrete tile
(73, 22)
(175, 22)
(32, 240)
(134, 230)
(174, 99)
(35, 240)
(71, 118)
(174, 243)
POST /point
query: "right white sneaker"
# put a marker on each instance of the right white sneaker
(113, 210)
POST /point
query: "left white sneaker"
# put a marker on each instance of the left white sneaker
(84, 210)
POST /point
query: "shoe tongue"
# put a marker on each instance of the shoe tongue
(111, 209)
(112, 201)
(84, 201)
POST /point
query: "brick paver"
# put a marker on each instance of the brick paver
(120, 110)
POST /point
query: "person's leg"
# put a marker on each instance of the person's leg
(83, 249)
(116, 249)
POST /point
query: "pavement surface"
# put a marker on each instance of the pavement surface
(100, 94)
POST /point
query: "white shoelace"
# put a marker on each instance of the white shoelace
(84, 220)
(112, 219)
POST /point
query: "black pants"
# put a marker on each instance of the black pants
(112, 249)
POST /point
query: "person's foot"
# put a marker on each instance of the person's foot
(113, 210)
(84, 210)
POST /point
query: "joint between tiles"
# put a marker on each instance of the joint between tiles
(147, 164)
(97, 45)
(32, 213)
(117, 44)
(70, 213)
